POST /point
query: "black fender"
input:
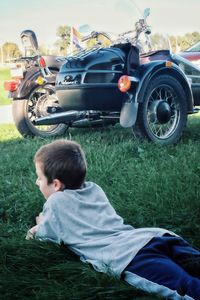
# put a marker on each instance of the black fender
(140, 81)
(28, 83)
(152, 70)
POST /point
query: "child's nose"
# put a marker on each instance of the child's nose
(37, 182)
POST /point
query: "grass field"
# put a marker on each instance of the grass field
(148, 185)
(4, 75)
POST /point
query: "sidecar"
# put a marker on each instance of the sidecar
(155, 104)
(88, 81)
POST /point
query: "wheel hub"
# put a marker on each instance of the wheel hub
(160, 112)
(43, 103)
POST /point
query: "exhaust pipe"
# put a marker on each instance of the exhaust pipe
(62, 117)
(82, 123)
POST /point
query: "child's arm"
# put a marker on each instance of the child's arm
(39, 218)
(47, 225)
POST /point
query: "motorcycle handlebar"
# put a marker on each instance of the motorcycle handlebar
(140, 26)
(126, 32)
(94, 35)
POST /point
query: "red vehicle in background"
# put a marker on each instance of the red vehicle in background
(193, 54)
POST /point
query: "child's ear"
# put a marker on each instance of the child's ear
(58, 185)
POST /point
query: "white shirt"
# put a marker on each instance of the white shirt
(85, 221)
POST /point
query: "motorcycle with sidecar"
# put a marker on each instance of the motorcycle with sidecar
(105, 85)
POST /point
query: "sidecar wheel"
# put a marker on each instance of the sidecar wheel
(25, 111)
(162, 116)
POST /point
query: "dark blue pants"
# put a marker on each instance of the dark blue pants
(157, 268)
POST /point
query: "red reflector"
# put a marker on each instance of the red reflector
(124, 83)
(11, 85)
(42, 62)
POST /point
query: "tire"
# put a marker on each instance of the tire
(25, 111)
(162, 116)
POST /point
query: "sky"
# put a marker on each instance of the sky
(174, 17)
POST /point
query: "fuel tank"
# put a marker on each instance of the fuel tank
(88, 80)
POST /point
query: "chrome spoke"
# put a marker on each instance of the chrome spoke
(36, 108)
(165, 129)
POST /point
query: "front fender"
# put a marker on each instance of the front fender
(151, 70)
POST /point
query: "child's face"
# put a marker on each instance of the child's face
(45, 188)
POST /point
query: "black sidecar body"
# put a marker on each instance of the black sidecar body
(89, 80)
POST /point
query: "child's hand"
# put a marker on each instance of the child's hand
(31, 232)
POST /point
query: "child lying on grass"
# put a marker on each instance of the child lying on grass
(78, 214)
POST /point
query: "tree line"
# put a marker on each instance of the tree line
(10, 50)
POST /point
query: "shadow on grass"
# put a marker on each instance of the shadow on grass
(108, 134)
(35, 270)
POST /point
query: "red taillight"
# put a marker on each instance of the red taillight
(124, 83)
(42, 62)
(11, 85)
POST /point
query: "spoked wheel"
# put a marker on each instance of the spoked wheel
(163, 114)
(25, 112)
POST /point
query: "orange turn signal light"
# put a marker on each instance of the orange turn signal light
(168, 64)
(124, 83)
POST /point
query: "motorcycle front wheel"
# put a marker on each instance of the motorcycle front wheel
(162, 115)
(25, 111)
